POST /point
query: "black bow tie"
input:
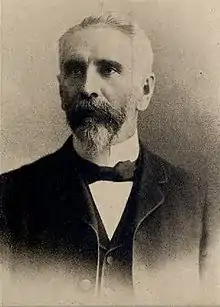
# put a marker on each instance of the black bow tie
(121, 172)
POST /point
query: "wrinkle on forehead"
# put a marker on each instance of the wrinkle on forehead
(99, 42)
(102, 41)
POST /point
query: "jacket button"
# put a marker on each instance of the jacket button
(109, 260)
(85, 285)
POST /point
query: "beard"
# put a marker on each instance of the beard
(94, 122)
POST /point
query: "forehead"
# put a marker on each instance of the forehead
(98, 42)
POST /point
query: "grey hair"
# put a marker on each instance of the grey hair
(126, 26)
(109, 20)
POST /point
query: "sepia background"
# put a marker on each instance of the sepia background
(182, 121)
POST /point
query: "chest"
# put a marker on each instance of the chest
(164, 252)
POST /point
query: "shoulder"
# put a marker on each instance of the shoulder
(185, 192)
(39, 167)
(175, 178)
(36, 172)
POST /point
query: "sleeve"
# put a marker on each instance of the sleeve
(4, 195)
(210, 245)
(9, 206)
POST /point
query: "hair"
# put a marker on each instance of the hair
(125, 26)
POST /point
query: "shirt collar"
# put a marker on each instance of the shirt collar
(127, 150)
(123, 151)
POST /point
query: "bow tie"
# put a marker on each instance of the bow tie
(123, 171)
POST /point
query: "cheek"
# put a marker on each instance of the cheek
(117, 93)
(71, 86)
(136, 95)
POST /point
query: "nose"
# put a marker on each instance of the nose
(91, 86)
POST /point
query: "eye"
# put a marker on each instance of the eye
(107, 70)
(74, 68)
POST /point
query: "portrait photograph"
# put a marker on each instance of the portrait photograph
(110, 153)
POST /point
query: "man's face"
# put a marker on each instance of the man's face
(98, 68)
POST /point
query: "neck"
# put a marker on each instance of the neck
(123, 148)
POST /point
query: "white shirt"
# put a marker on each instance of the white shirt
(111, 197)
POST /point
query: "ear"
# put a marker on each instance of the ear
(148, 90)
(61, 92)
(58, 78)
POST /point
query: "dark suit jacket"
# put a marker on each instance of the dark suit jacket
(48, 216)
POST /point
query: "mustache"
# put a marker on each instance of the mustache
(97, 110)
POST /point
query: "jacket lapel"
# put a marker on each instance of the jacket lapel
(149, 177)
(71, 189)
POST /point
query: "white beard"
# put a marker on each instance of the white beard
(95, 139)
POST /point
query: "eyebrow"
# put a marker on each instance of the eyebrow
(77, 59)
(73, 60)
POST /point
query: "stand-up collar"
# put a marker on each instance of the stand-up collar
(126, 150)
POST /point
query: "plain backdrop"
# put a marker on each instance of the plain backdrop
(182, 121)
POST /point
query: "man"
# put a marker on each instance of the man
(115, 217)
